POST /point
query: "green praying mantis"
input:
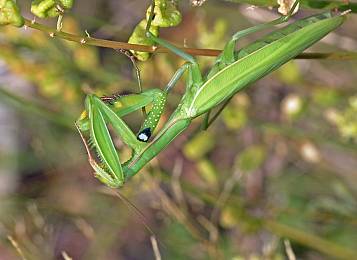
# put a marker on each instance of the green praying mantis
(232, 71)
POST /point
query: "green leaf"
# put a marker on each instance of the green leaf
(10, 13)
(138, 37)
(166, 14)
(50, 8)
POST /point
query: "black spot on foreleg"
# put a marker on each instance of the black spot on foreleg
(144, 135)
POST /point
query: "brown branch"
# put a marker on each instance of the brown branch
(85, 40)
(345, 55)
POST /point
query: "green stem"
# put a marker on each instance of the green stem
(310, 240)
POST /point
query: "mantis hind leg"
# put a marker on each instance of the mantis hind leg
(196, 73)
(228, 56)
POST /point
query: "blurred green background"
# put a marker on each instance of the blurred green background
(278, 166)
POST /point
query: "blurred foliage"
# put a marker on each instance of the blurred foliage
(251, 158)
(314, 4)
(165, 14)
(50, 8)
(345, 120)
(279, 163)
(10, 13)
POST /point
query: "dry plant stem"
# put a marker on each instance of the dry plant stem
(66, 256)
(313, 241)
(212, 244)
(176, 186)
(210, 227)
(225, 194)
(155, 248)
(171, 208)
(17, 247)
(288, 249)
(52, 32)
(282, 230)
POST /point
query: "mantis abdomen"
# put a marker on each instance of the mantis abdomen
(261, 62)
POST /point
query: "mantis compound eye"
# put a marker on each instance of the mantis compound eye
(144, 135)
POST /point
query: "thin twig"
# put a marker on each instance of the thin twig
(16, 246)
(173, 210)
(210, 227)
(175, 184)
(226, 192)
(155, 248)
(212, 244)
(308, 239)
(66, 256)
(154, 49)
(288, 249)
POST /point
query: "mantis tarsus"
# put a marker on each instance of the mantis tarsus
(232, 71)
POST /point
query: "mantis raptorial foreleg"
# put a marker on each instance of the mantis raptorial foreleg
(109, 170)
(94, 121)
(109, 110)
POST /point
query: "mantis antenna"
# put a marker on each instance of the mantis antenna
(132, 207)
(133, 61)
(138, 212)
